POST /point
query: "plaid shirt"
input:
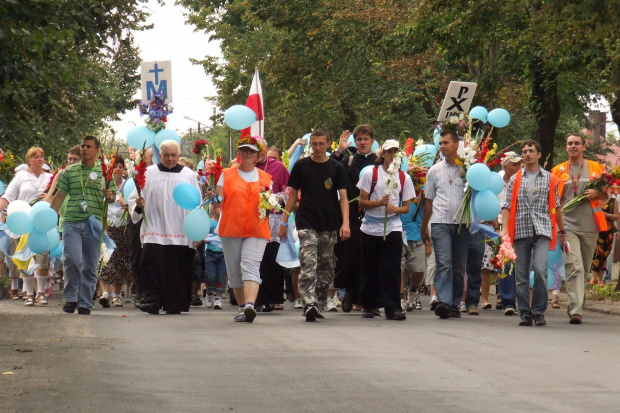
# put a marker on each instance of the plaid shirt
(532, 216)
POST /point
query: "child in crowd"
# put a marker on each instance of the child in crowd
(215, 267)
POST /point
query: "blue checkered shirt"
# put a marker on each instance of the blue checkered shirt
(532, 216)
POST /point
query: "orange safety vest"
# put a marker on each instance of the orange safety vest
(553, 182)
(594, 169)
(240, 216)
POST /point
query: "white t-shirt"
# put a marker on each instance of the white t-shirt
(373, 225)
(251, 176)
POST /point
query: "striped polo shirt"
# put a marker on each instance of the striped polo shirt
(76, 182)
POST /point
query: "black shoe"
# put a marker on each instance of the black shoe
(434, 305)
(396, 315)
(104, 300)
(266, 308)
(311, 312)
(368, 314)
(455, 314)
(539, 320)
(83, 311)
(499, 304)
(150, 308)
(69, 308)
(347, 303)
(196, 301)
(526, 321)
(442, 310)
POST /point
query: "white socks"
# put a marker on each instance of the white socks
(14, 283)
(41, 281)
(29, 285)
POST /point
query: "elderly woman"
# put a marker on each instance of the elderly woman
(28, 185)
(243, 234)
(165, 266)
(271, 294)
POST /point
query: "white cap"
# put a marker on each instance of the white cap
(389, 144)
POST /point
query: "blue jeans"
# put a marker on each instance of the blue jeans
(81, 250)
(215, 271)
(475, 255)
(532, 252)
(507, 288)
(450, 247)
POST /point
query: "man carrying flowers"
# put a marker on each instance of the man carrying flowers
(532, 219)
(583, 222)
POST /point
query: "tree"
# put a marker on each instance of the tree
(65, 68)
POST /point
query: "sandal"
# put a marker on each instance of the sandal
(29, 302)
(487, 306)
(278, 307)
(15, 295)
(555, 303)
(42, 299)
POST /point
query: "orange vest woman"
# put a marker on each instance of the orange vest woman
(595, 169)
(240, 217)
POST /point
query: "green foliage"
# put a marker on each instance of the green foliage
(338, 63)
(65, 68)
(218, 138)
(606, 292)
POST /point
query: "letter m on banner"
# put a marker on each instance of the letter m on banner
(156, 77)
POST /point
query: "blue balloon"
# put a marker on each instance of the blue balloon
(498, 117)
(486, 205)
(496, 184)
(478, 113)
(375, 146)
(44, 219)
(165, 135)
(351, 141)
(186, 195)
(1, 187)
(428, 152)
(555, 257)
(38, 242)
(239, 117)
(364, 169)
(479, 176)
(37, 206)
(550, 278)
(404, 164)
(53, 237)
(200, 165)
(197, 225)
(140, 137)
(436, 136)
(130, 185)
(19, 223)
(57, 252)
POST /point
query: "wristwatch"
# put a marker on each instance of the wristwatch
(338, 151)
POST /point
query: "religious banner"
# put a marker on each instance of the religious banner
(458, 100)
(156, 77)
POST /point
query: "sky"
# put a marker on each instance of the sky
(171, 39)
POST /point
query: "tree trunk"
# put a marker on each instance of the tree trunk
(547, 109)
(615, 104)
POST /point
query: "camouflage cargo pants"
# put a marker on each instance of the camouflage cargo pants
(316, 256)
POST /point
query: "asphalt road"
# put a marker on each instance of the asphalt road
(119, 359)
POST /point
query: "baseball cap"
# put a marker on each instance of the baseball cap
(511, 156)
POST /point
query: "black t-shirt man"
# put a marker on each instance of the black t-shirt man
(319, 208)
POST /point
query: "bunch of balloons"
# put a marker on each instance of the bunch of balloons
(38, 221)
(197, 223)
(488, 185)
(142, 137)
(498, 118)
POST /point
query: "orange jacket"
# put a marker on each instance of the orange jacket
(240, 216)
(594, 169)
(553, 182)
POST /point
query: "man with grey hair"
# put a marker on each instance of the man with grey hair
(165, 266)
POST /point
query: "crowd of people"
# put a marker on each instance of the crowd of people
(366, 240)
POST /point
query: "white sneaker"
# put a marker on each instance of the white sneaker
(218, 304)
(330, 306)
(462, 307)
(209, 301)
(299, 303)
(418, 304)
(411, 297)
(403, 305)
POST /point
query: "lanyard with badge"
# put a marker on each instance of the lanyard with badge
(92, 176)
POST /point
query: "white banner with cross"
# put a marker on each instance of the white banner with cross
(156, 77)
(458, 100)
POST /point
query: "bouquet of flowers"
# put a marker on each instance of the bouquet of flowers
(200, 146)
(157, 110)
(7, 164)
(604, 182)
(461, 124)
(268, 202)
(503, 253)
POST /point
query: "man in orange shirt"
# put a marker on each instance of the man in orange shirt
(583, 223)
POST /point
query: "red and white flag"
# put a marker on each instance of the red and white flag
(255, 102)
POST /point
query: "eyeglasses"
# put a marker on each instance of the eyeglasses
(573, 143)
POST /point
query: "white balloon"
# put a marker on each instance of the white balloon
(18, 205)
